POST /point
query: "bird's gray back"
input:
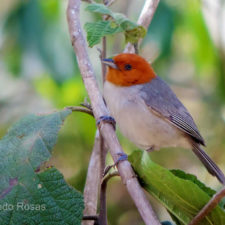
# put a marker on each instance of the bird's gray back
(160, 98)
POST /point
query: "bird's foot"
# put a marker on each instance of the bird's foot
(122, 157)
(106, 119)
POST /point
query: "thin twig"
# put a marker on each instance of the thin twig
(93, 180)
(80, 109)
(208, 207)
(109, 2)
(99, 109)
(103, 205)
(86, 104)
(104, 150)
(144, 20)
(136, 48)
(103, 52)
(103, 208)
(103, 56)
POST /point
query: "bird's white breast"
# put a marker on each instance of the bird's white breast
(137, 122)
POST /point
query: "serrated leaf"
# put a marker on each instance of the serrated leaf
(123, 21)
(117, 23)
(183, 198)
(194, 179)
(99, 8)
(29, 197)
(95, 31)
(44, 198)
(119, 18)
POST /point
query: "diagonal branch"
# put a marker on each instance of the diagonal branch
(145, 19)
(99, 109)
(208, 207)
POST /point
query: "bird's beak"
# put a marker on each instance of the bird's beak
(110, 63)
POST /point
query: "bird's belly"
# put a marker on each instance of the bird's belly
(141, 126)
(147, 130)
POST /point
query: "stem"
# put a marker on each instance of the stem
(103, 150)
(103, 208)
(80, 109)
(208, 207)
(93, 181)
(103, 56)
(99, 109)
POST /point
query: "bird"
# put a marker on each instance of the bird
(148, 112)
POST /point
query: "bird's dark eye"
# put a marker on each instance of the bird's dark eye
(127, 67)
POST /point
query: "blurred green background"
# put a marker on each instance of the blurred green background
(38, 73)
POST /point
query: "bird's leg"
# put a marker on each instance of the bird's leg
(106, 119)
(122, 157)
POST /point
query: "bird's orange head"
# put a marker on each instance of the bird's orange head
(128, 69)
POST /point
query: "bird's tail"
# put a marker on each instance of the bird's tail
(208, 163)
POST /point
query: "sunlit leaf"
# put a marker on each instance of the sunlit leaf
(117, 23)
(135, 34)
(181, 196)
(95, 31)
(99, 8)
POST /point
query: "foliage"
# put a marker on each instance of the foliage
(36, 51)
(32, 34)
(117, 23)
(29, 196)
(182, 194)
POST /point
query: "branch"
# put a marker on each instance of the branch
(92, 181)
(208, 207)
(145, 19)
(103, 208)
(99, 109)
(80, 109)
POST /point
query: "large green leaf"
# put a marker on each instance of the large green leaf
(28, 196)
(181, 196)
(117, 23)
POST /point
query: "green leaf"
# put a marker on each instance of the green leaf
(26, 195)
(119, 18)
(117, 23)
(135, 34)
(181, 174)
(180, 196)
(123, 21)
(95, 31)
(99, 8)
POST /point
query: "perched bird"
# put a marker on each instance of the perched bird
(148, 112)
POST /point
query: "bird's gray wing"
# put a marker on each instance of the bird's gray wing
(160, 98)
